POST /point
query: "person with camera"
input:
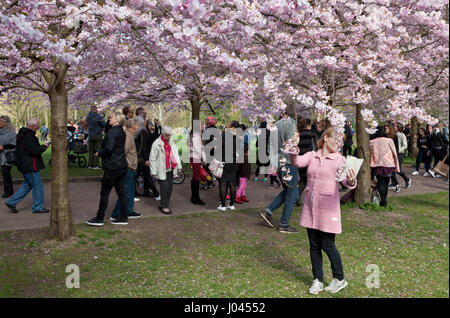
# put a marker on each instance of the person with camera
(7, 147)
(29, 162)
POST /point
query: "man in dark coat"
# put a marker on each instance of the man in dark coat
(96, 124)
(348, 140)
(29, 162)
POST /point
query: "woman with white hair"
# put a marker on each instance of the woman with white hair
(164, 160)
(7, 144)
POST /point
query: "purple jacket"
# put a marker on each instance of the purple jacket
(321, 206)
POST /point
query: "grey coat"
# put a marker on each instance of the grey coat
(287, 127)
(7, 137)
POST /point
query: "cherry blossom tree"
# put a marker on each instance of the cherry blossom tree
(42, 47)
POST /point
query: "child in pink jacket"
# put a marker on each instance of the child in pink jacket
(321, 213)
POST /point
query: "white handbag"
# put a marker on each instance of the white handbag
(216, 168)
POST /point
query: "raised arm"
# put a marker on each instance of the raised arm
(301, 161)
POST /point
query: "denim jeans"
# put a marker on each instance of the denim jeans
(33, 182)
(130, 186)
(288, 196)
(423, 157)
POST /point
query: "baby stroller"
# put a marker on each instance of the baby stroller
(76, 149)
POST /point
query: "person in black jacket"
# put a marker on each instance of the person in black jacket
(307, 143)
(115, 164)
(424, 155)
(29, 162)
(349, 139)
(229, 175)
(438, 147)
(144, 141)
(96, 125)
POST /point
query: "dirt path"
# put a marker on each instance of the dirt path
(84, 197)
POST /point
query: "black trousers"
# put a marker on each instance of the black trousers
(383, 183)
(438, 155)
(223, 190)
(401, 157)
(347, 150)
(149, 182)
(116, 179)
(7, 180)
(166, 186)
(319, 241)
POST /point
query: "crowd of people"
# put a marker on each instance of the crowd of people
(130, 146)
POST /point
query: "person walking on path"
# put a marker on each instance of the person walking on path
(307, 143)
(197, 156)
(424, 155)
(287, 127)
(7, 144)
(401, 145)
(115, 164)
(384, 161)
(321, 213)
(96, 124)
(392, 131)
(144, 141)
(130, 182)
(229, 174)
(438, 148)
(164, 160)
(29, 162)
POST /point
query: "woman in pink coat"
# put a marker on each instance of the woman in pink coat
(321, 213)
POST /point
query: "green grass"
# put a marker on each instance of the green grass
(74, 170)
(234, 255)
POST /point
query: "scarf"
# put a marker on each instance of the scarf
(170, 160)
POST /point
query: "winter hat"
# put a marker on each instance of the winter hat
(210, 121)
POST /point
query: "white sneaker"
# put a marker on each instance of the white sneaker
(336, 285)
(433, 174)
(158, 199)
(438, 176)
(415, 173)
(221, 208)
(231, 207)
(137, 199)
(426, 174)
(316, 287)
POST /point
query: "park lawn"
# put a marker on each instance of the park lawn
(74, 169)
(233, 255)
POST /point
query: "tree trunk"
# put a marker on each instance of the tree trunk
(291, 109)
(414, 135)
(195, 105)
(61, 225)
(362, 193)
